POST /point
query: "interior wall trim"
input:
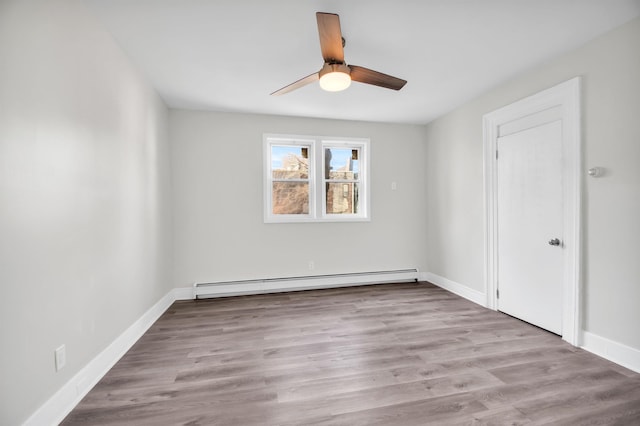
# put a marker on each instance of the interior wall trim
(461, 290)
(56, 408)
(566, 96)
(608, 349)
(619, 353)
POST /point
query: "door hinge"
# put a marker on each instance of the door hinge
(496, 154)
(497, 293)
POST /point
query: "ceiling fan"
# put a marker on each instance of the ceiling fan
(335, 74)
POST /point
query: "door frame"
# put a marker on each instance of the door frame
(566, 96)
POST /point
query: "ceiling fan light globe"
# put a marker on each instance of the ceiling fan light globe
(335, 77)
(335, 81)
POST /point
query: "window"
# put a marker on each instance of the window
(315, 179)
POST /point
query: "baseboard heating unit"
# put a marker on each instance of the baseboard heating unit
(275, 285)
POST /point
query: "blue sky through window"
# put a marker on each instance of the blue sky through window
(278, 153)
(339, 156)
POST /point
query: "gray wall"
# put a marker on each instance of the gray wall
(610, 67)
(86, 196)
(217, 169)
(84, 212)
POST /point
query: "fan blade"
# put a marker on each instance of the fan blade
(298, 84)
(365, 75)
(330, 37)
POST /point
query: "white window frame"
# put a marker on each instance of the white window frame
(317, 193)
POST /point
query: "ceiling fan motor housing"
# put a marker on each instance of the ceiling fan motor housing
(327, 68)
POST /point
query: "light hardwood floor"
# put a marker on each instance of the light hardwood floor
(396, 354)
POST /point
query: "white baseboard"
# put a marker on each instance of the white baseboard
(71, 393)
(461, 290)
(619, 353)
(183, 293)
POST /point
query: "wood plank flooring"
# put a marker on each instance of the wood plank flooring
(396, 354)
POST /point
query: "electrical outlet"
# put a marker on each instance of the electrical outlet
(61, 357)
(312, 265)
(394, 186)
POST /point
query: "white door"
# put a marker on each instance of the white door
(529, 222)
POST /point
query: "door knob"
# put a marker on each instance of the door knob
(554, 242)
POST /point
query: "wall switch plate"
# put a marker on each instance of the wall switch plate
(61, 357)
(394, 186)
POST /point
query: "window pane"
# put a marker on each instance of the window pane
(342, 198)
(289, 162)
(341, 163)
(290, 198)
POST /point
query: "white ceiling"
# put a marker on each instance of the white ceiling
(229, 55)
